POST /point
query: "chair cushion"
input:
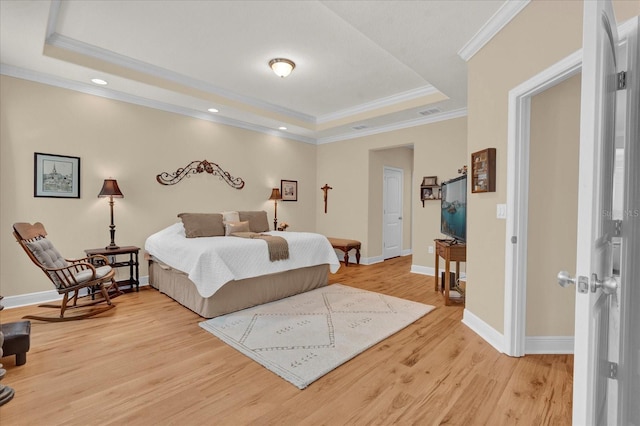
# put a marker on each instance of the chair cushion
(86, 274)
(258, 221)
(48, 256)
(202, 224)
(46, 253)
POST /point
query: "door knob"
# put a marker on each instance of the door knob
(609, 285)
(565, 279)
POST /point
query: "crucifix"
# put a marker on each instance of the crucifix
(325, 189)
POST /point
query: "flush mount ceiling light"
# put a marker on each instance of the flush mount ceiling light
(282, 67)
(212, 110)
(99, 81)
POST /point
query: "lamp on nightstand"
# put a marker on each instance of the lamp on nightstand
(275, 196)
(110, 189)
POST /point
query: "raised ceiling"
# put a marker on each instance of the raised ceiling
(362, 67)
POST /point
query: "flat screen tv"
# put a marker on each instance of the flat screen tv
(453, 208)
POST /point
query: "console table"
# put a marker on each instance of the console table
(450, 251)
(132, 263)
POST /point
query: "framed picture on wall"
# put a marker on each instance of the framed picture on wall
(56, 176)
(289, 190)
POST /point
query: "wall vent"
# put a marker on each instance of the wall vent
(359, 127)
(429, 111)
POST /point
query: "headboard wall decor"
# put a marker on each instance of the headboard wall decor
(194, 167)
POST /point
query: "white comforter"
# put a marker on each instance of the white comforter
(211, 262)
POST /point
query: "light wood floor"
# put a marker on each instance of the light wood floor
(148, 363)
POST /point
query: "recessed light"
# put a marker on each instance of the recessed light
(282, 128)
(99, 81)
(212, 110)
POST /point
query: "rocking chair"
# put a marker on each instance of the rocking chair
(68, 275)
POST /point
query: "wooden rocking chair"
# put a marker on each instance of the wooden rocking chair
(68, 275)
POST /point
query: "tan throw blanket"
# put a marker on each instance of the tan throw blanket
(277, 246)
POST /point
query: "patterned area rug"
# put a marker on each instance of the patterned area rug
(303, 337)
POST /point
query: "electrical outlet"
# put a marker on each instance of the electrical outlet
(431, 249)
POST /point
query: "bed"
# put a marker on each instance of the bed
(214, 274)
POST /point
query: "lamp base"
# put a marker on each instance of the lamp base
(112, 247)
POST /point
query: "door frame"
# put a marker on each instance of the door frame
(518, 128)
(384, 203)
(518, 140)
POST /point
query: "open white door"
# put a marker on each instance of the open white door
(597, 396)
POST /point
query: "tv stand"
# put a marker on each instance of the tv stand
(450, 251)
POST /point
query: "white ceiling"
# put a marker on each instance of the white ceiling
(377, 64)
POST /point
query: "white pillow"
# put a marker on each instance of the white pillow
(230, 216)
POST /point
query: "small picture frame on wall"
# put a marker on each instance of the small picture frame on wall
(56, 176)
(289, 190)
(429, 181)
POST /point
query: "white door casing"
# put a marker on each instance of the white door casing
(392, 212)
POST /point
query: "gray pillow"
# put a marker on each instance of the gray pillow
(202, 224)
(258, 221)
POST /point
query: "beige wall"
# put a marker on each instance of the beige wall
(541, 35)
(355, 202)
(553, 208)
(132, 144)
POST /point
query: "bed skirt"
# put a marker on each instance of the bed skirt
(235, 295)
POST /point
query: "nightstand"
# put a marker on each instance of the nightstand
(132, 263)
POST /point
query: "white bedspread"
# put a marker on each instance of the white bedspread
(211, 262)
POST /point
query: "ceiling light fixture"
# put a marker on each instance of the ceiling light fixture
(282, 67)
(212, 110)
(282, 128)
(99, 81)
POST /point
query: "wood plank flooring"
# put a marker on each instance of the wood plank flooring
(147, 362)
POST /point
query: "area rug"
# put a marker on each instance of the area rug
(303, 337)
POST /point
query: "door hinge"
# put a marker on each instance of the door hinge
(613, 370)
(622, 80)
(514, 240)
(613, 228)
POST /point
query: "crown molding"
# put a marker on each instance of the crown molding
(502, 17)
(448, 115)
(378, 103)
(24, 74)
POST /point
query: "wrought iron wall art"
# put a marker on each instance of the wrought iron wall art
(195, 167)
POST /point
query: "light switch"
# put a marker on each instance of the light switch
(501, 211)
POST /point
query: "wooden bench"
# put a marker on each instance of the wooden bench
(346, 245)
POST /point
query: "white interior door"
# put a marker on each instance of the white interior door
(596, 394)
(392, 212)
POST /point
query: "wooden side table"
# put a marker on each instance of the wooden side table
(450, 252)
(132, 263)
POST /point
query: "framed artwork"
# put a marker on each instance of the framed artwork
(429, 181)
(56, 176)
(289, 190)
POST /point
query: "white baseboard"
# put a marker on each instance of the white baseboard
(423, 270)
(45, 296)
(548, 345)
(484, 330)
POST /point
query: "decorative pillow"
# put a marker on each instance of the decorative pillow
(202, 224)
(231, 227)
(47, 255)
(258, 221)
(230, 216)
